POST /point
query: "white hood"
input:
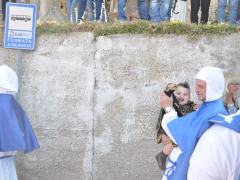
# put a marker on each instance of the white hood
(8, 80)
(215, 82)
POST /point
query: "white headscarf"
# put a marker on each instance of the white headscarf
(8, 80)
(214, 78)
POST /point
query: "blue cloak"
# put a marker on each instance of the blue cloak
(16, 133)
(187, 130)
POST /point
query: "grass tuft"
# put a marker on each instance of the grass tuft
(139, 27)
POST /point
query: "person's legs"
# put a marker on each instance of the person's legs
(238, 16)
(81, 9)
(103, 12)
(4, 9)
(205, 11)
(122, 10)
(164, 9)
(195, 4)
(170, 8)
(238, 10)
(98, 9)
(73, 15)
(90, 10)
(155, 10)
(233, 11)
(68, 5)
(143, 9)
(222, 4)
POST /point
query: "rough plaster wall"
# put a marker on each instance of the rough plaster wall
(130, 73)
(58, 81)
(126, 106)
(94, 103)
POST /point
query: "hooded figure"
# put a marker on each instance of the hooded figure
(215, 82)
(16, 133)
(217, 153)
(186, 131)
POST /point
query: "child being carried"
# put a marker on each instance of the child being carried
(180, 94)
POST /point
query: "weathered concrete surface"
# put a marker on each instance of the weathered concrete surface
(58, 81)
(94, 103)
(130, 73)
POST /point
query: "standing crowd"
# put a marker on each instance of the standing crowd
(228, 11)
(155, 10)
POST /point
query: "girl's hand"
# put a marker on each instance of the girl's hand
(165, 101)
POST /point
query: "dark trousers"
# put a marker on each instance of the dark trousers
(4, 7)
(195, 6)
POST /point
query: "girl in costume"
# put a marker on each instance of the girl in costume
(16, 133)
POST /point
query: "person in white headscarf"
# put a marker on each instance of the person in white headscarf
(8, 85)
(8, 80)
(217, 153)
(186, 132)
(16, 133)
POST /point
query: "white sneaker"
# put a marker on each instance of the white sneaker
(80, 21)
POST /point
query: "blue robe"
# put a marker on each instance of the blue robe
(187, 131)
(16, 133)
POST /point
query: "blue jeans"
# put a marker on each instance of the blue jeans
(233, 11)
(160, 10)
(81, 8)
(142, 6)
(99, 10)
(99, 4)
(68, 4)
(143, 9)
(122, 10)
(90, 9)
(170, 8)
(71, 14)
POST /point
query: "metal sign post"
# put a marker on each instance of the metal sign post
(20, 30)
(19, 70)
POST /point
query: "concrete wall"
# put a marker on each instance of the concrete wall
(94, 103)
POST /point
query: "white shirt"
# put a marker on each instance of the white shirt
(216, 155)
(168, 117)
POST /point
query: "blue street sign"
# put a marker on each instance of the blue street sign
(20, 26)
